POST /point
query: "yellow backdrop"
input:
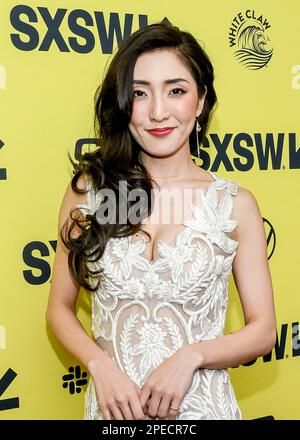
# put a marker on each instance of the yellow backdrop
(52, 56)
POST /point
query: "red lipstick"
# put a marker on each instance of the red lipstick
(161, 131)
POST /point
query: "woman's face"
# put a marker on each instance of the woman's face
(165, 95)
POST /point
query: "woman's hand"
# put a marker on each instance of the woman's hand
(118, 396)
(168, 383)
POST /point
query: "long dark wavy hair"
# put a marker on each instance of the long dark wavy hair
(117, 157)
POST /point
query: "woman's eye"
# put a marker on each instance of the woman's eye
(180, 90)
(139, 93)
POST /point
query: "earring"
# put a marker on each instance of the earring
(198, 129)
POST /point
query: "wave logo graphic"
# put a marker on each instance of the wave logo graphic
(248, 35)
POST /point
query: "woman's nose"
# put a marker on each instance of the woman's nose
(158, 108)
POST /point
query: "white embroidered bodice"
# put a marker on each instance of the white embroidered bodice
(143, 311)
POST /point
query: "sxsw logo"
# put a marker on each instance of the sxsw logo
(261, 150)
(90, 27)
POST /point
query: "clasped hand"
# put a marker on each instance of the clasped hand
(167, 384)
(120, 398)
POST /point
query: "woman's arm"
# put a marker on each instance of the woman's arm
(60, 313)
(117, 394)
(253, 281)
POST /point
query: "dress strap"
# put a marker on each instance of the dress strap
(222, 183)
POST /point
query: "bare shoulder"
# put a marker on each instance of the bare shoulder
(247, 212)
(245, 203)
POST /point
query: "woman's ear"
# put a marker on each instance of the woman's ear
(201, 102)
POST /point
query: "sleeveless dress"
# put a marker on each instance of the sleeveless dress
(144, 311)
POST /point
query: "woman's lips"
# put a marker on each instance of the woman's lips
(161, 131)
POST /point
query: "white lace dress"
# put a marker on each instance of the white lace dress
(143, 311)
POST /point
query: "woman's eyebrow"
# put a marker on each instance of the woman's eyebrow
(166, 81)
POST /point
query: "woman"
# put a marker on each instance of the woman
(159, 305)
